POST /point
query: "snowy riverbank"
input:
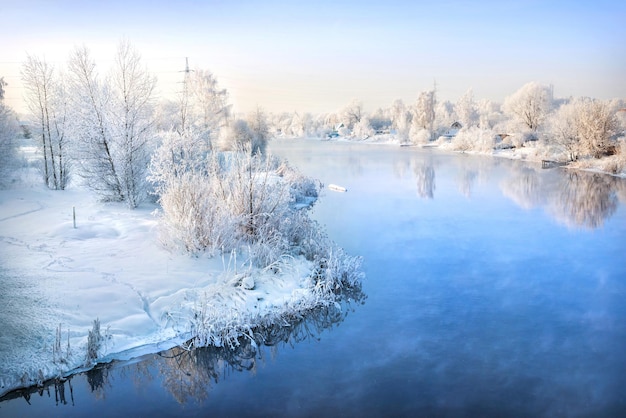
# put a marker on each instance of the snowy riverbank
(111, 267)
(535, 152)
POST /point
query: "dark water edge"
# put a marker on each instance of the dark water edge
(185, 376)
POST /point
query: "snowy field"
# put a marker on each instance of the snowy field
(110, 267)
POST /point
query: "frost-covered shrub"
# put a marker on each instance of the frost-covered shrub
(335, 269)
(474, 139)
(303, 190)
(233, 200)
(462, 141)
(363, 129)
(419, 136)
(189, 219)
(486, 140)
(94, 341)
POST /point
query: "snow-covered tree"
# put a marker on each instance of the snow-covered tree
(48, 104)
(8, 139)
(466, 109)
(352, 114)
(489, 114)
(91, 127)
(132, 121)
(257, 121)
(302, 124)
(200, 110)
(530, 105)
(423, 115)
(211, 102)
(235, 135)
(563, 130)
(445, 115)
(363, 129)
(596, 123)
(400, 120)
(380, 120)
(281, 123)
(584, 127)
(113, 123)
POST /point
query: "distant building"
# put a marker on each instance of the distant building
(452, 130)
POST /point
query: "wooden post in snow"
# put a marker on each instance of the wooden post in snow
(74, 215)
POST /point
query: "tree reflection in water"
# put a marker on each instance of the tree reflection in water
(60, 392)
(470, 172)
(525, 188)
(576, 199)
(425, 179)
(585, 199)
(189, 375)
(98, 379)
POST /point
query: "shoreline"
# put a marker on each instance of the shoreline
(506, 154)
(111, 267)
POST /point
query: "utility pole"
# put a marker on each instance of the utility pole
(184, 102)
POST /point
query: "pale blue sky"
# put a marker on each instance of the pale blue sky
(320, 55)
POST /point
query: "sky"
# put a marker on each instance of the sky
(320, 55)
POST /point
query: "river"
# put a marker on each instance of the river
(493, 288)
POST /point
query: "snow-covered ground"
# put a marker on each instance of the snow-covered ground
(110, 267)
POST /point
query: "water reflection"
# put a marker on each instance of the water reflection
(189, 375)
(98, 379)
(472, 170)
(425, 179)
(574, 198)
(585, 199)
(423, 171)
(466, 182)
(57, 385)
(524, 187)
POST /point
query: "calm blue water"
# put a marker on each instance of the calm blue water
(494, 288)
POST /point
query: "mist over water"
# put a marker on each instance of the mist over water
(494, 288)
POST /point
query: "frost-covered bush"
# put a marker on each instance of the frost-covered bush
(419, 136)
(334, 270)
(229, 201)
(473, 139)
(462, 141)
(94, 341)
(303, 190)
(189, 219)
(363, 128)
